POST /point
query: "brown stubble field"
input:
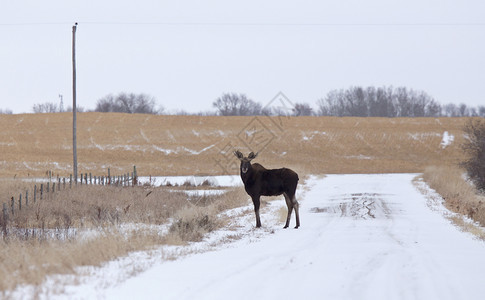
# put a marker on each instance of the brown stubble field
(32, 144)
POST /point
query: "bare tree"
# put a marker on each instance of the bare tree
(47, 107)
(474, 147)
(451, 110)
(481, 111)
(433, 109)
(463, 110)
(333, 104)
(302, 109)
(128, 103)
(356, 102)
(232, 104)
(5, 111)
(381, 102)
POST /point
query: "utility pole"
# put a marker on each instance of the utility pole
(74, 106)
(61, 105)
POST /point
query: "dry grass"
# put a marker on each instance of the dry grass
(459, 195)
(89, 225)
(30, 261)
(31, 144)
(93, 206)
(193, 223)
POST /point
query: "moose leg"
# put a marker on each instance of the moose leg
(289, 204)
(296, 205)
(256, 203)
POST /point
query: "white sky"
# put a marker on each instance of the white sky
(187, 53)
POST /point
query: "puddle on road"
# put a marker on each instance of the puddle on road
(358, 206)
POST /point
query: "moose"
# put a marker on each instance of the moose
(259, 181)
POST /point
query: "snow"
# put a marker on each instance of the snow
(361, 237)
(195, 152)
(313, 134)
(150, 148)
(447, 139)
(196, 180)
(203, 193)
(422, 136)
(360, 156)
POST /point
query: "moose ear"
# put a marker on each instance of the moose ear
(252, 155)
(238, 154)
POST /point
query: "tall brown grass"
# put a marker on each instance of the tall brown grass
(89, 225)
(460, 196)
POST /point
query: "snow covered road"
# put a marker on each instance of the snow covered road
(361, 237)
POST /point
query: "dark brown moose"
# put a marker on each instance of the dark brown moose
(259, 181)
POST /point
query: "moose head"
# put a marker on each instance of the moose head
(245, 161)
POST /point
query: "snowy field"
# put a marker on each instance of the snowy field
(361, 237)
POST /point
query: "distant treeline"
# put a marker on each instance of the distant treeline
(389, 102)
(353, 102)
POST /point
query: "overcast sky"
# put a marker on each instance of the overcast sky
(187, 53)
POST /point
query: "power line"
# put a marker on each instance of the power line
(34, 23)
(261, 24)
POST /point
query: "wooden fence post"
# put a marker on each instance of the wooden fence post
(41, 191)
(13, 203)
(70, 181)
(35, 192)
(4, 225)
(26, 197)
(109, 176)
(135, 176)
(20, 202)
